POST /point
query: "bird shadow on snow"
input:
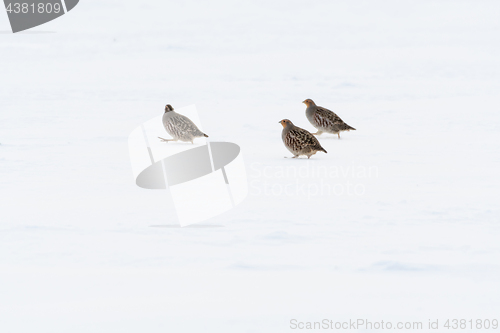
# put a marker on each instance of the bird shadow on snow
(301, 158)
(330, 137)
(187, 144)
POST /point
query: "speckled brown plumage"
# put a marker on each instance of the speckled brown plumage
(325, 120)
(298, 140)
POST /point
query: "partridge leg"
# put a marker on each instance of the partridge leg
(318, 133)
(166, 140)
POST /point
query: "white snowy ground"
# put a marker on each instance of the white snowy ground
(418, 240)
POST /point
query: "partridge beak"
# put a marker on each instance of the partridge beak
(304, 102)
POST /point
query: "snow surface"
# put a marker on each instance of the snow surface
(414, 235)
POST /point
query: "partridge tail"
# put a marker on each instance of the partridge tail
(346, 127)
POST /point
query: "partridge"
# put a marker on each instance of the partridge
(325, 120)
(298, 140)
(179, 127)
